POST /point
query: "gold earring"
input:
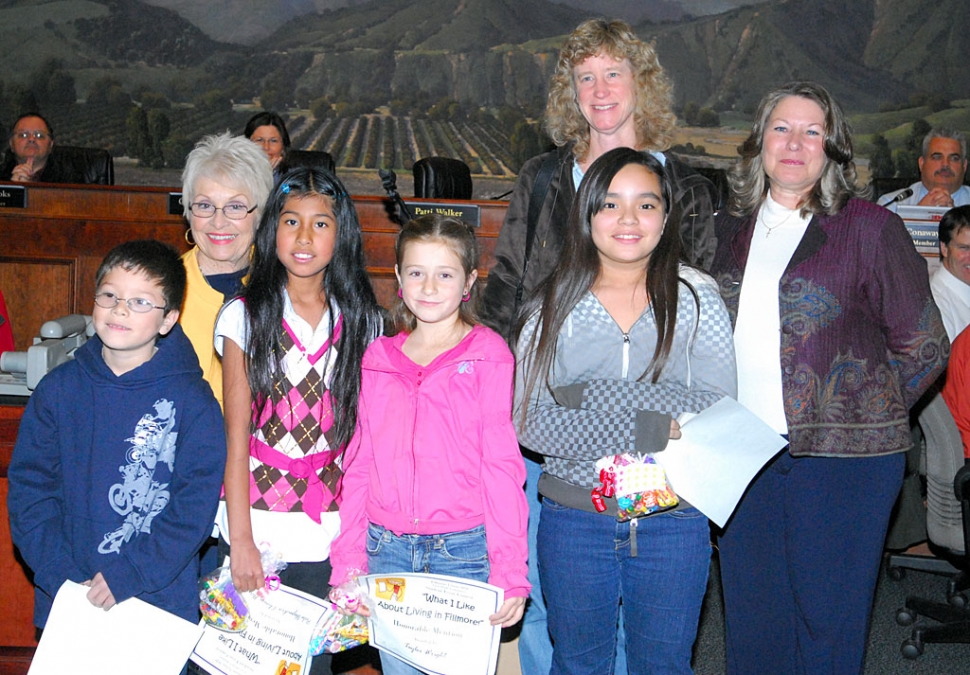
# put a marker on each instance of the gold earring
(189, 239)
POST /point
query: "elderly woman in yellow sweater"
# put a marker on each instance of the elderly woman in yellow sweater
(225, 184)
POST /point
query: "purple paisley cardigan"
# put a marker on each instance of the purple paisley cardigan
(861, 338)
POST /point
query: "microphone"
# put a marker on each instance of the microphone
(389, 183)
(388, 179)
(905, 194)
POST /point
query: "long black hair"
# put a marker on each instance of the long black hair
(345, 283)
(581, 266)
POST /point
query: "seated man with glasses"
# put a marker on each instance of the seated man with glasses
(30, 156)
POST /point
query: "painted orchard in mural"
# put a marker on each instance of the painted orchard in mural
(383, 83)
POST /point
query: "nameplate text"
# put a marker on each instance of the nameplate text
(470, 213)
(13, 197)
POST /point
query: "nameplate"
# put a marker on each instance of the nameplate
(175, 207)
(925, 235)
(13, 197)
(917, 212)
(470, 213)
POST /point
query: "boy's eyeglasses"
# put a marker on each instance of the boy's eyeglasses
(233, 211)
(24, 135)
(139, 305)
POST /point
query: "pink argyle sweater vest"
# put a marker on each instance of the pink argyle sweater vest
(297, 468)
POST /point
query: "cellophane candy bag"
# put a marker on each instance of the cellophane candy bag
(224, 607)
(638, 483)
(337, 630)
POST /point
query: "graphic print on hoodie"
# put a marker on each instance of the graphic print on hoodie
(139, 497)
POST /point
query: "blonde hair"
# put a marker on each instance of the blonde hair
(749, 182)
(652, 114)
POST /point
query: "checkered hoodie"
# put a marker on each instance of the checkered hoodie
(598, 402)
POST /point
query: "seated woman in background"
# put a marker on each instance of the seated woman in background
(267, 130)
(225, 185)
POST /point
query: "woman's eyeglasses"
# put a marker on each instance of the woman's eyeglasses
(233, 210)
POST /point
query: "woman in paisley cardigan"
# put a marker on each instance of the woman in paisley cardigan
(833, 285)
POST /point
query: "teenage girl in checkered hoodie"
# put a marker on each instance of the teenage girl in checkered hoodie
(623, 339)
(291, 349)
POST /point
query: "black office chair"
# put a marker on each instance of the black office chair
(882, 186)
(309, 159)
(92, 166)
(442, 178)
(953, 615)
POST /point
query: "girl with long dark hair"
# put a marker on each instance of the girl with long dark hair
(623, 339)
(292, 345)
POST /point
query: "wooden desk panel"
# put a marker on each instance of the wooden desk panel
(49, 254)
(16, 591)
(50, 250)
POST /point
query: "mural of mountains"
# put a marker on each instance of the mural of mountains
(387, 81)
(867, 51)
(256, 19)
(489, 52)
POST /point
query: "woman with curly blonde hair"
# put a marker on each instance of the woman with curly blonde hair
(652, 119)
(608, 91)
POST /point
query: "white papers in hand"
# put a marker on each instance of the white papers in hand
(131, 637)
(720, 451)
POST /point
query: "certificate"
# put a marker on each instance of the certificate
(436, 623)
(131, 637)
(276, 640)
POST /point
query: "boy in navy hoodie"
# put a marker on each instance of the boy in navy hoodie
(115, 478)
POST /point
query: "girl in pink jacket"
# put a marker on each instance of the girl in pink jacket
(433, 480)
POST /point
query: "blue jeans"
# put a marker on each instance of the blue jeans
(457, 554)
(535, 646)
(588, 568)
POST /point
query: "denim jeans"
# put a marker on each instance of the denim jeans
(457, 554)
(588, 567)
(535, 646)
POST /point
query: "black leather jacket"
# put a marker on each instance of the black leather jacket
(693, 207)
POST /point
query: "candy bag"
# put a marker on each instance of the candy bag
(221, 605)
(337, 630)
(638, 483)
(224, 607)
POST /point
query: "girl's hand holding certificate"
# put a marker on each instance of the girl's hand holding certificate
(509, 613)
